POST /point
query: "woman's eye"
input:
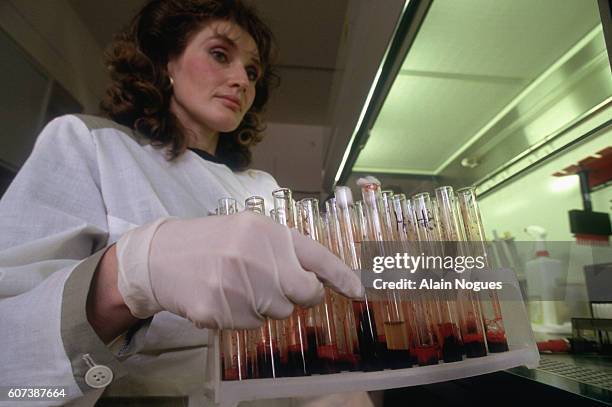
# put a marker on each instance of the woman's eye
(253, 74)
(219, 56)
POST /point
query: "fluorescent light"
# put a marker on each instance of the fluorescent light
(367, 101)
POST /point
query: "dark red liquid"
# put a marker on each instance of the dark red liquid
(398, 359)
(367, 336)
(252, 368)
(474, 346)
(497, 342)
(320, 359)
(383, 351)
(327, 359)
(268, 361)
(452, 348)
(296, 362)
(311, 352)
(426, 355)
(348, 363)
(230, 373)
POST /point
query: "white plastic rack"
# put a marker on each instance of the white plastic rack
(523, 352)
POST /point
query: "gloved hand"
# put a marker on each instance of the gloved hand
(226, 272)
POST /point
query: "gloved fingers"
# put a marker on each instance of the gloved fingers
(328, 268)
(300, 286)
(278, 308)
(216, 321)
(276, 255)
(304, 288)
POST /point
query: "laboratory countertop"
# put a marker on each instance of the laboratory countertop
(588, 376)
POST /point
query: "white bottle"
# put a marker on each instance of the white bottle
(544, 276)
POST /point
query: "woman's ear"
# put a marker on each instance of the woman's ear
(170, 70)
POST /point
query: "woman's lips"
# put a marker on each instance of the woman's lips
(230, 102)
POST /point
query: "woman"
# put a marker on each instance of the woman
(107, 257)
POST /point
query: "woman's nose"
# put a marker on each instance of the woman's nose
(239, 77)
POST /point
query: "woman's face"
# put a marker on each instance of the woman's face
(214, 78)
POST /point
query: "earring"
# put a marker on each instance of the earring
(171, 81)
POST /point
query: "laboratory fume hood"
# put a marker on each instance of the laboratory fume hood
(476, 92)
(500, 96)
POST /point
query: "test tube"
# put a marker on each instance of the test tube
(348, 342)
(388, 214)
(359, 226)
(296, 221)
(234, 354)
(443, 308)
(255, 204)
(376, 304)
(393, 220)
(410, 223)
(363, 315)
(326, 238)
(395, 299)
(474, 232)
(424, 216)
(380, 226)
(294, 343)
(283, 207)
(234, 343)
(423, 348)
(297, 210)
(399, 201)
(227, 206)
(468, 306)
(260, 347)
(328, 355)
(264, 345)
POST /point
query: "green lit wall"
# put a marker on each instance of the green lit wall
(538, 198)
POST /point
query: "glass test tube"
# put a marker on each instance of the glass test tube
(410, 223)
(443, 309)
(398, 204)
(380, 226)
(326, 238)
(255, 204)
(391, 224)
(227, 206)
(467, 301)
(328, 356)
(234, 343)
(297, 210)
(348, 342)
(388, 214)
(297, 223)
(361, 235)
(294, 344)
(423, 347)
(280, 325)
(474, 232)
(257, 365)
(359, 226)
(265, 352)
(363, 315)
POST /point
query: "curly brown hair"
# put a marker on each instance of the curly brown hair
(140, 90)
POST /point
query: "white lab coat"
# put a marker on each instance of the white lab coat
(87, 181)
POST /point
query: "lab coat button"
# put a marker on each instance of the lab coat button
(98, 376)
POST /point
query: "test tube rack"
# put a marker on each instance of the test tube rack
(522, 352)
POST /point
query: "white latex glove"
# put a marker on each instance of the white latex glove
(226, 272)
